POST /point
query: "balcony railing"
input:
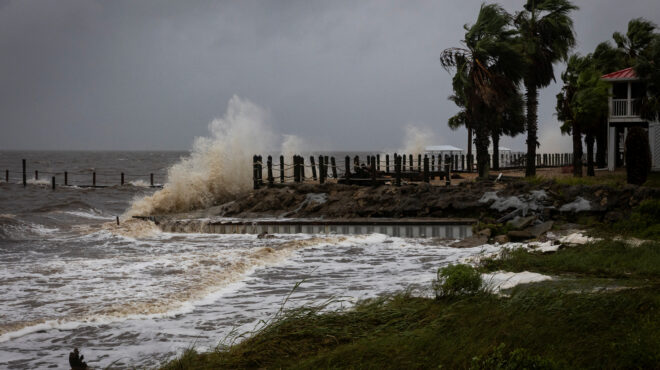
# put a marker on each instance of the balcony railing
(625, 107)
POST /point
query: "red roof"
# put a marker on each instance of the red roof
(624, 74)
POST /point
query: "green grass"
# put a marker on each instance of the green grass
(539, 325)
(643, 222)
(615, 180)
(607, 258)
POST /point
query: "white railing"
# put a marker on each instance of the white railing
(625, 107)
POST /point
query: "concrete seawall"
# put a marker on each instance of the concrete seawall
(454, 228)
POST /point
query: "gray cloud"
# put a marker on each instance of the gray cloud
(78, 74)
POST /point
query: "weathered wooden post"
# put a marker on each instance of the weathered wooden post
(66, 178)
(447, 175)
(281, 169)
(52, 183)
(302, 168)
(151, 179)
(24, 174)
(121, 181)
(36, 175)
(7, 176)
(397, 170)
(462, 162)
(387, 163)
(269, 163)
(356, 162)
(378, 162)
(372, 168)
(94, 179)
(455, 162)
(334, 167)
(410, 165)
(347, 169)
(403, 162)
(296, 171)
(261, 170)
(255, 178)
(311, 160)
(419, 163)
(426, 169)
(321, 170)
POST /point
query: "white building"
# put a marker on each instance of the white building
(441, 151)
(624, 112)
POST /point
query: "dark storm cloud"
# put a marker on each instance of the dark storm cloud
(80, 74)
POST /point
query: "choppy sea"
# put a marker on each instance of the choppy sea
(135, 296)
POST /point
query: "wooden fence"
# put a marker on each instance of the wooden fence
(379, 169)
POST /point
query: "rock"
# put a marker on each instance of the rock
(485, 232)
(501, 239)
(473, 241)
(521, 222)
(519, 235)
(540, 229)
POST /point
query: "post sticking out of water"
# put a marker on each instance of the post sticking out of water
(282, 169)
(311, 160)
(326, 167)
(334, 167)
(117, 220)
(24, 174)
(7, 176)
(66, 178)
(403, 162)
(296, 170)
(52, 184)
(397, 169)
(36, 175)
(94, 179)
(151, 179)
(426, 169)
(122, 179)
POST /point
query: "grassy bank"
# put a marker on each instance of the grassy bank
(564, 323)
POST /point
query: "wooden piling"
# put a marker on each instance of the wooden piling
(372, 169)
(93, 179)
(24, 173)
(7, 176)
(410, 165)
(269, 163)
(326, 168)
(447, 175)
(426, 169)
(260, 173)
(122, 178)
(334, 167)
(255, 179)
(347, 169)
(378, 162)
(321, 170)
(432, 162)
(313, 163)
(387, 163)
(397, 170)
(66, 178)
(36, 175)
(419, 163)
(356, 162)
(151, 179)
(403, 162)
(296, 170)
(281, 169)
(52, 183)
(302, 168)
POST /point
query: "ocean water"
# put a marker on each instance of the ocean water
(133, 296)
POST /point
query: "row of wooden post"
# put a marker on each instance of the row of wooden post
(66, 177)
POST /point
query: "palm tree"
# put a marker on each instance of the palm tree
(510, 122)
(637, 39)
(546, 36)
(488, 69)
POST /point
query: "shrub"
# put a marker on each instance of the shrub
(519, 358)
(455, 280)
(638, 156)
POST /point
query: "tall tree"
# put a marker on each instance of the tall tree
(488, 69)
(647, 67)
(637, 39)
(546, 36)
(582, 106)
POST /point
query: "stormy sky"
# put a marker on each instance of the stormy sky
(151, 75)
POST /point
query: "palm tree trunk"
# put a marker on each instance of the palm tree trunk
(590, 154)
(469, 150)
(532, 118)
(496, 151)
(577, 151)
(601, 146)
(482, 150)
